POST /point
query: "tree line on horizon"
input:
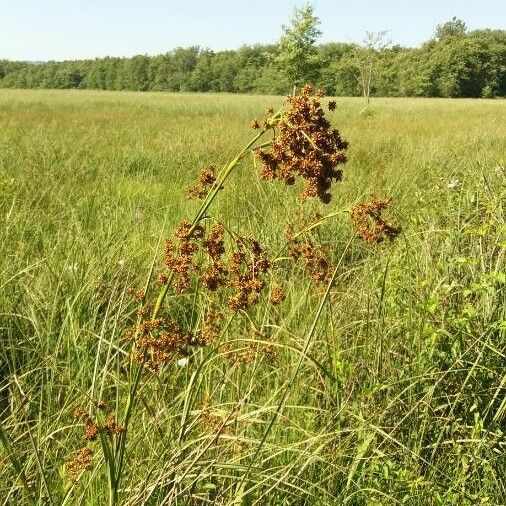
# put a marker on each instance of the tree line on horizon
(455, 62)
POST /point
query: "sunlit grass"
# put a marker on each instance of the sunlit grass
(401, 397)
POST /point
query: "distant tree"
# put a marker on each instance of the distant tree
(225, 67)
(364, 60)
(269, 82)
(298, 55)
(252, 60)
(111, 73)
(470, 66)
(453, 28)
(139, 73)
(202, 75)
(330, 80)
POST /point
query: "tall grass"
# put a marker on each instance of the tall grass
(389, 389)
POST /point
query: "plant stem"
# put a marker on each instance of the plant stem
(138, 368)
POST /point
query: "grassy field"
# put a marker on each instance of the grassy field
(390, 389)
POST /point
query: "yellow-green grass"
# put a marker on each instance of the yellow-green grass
(400, 399)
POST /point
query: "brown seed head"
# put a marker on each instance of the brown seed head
(277, 295)
(136, 293)
(91, 430)
(246, 268)
(111, 428)
(83, 461)
(369, 224)
(205, 181)
(306, 146)
(214, 244)
(179, 256)
(161, 343)
(80, 413)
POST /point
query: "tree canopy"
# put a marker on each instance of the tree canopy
(456, 62)
(297, 57)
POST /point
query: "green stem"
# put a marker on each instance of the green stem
(220, 180)
(138, 367)
(16, 463)
(308, 229)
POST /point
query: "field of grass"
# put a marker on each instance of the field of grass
(390, 389)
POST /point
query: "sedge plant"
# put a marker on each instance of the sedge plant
(226, 273)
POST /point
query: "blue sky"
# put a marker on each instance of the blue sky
(70, 29)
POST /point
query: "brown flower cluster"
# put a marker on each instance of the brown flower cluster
(277, 295)
(368, 221)
(314, 258)
(83, 461)
(203, 184)
(137, 294)
(239, 273)
(111, 427)
(91, 427)
(215, 274)
(305, 146)
(179, 254)
(160, 341)
(242, 271)
(91, 430)
(247, 265)
(312, 255)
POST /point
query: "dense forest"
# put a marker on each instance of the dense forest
(456, 62)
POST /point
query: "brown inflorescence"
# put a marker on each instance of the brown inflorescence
(368, 221)
(91, 430)
(314, 258)
(214, 244)
(205, 181)
(215, 274)
(242, 271)
(159, 342)
(179, 254)
(91, 427)
(79, 413)
(277, 295)
(211, 326)
(312, 255)
(246, 269)
(111, 428)
(83, 461)
(136, 293)
(305, 146)
(240, 275)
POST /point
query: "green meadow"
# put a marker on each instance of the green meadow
(387, 387)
